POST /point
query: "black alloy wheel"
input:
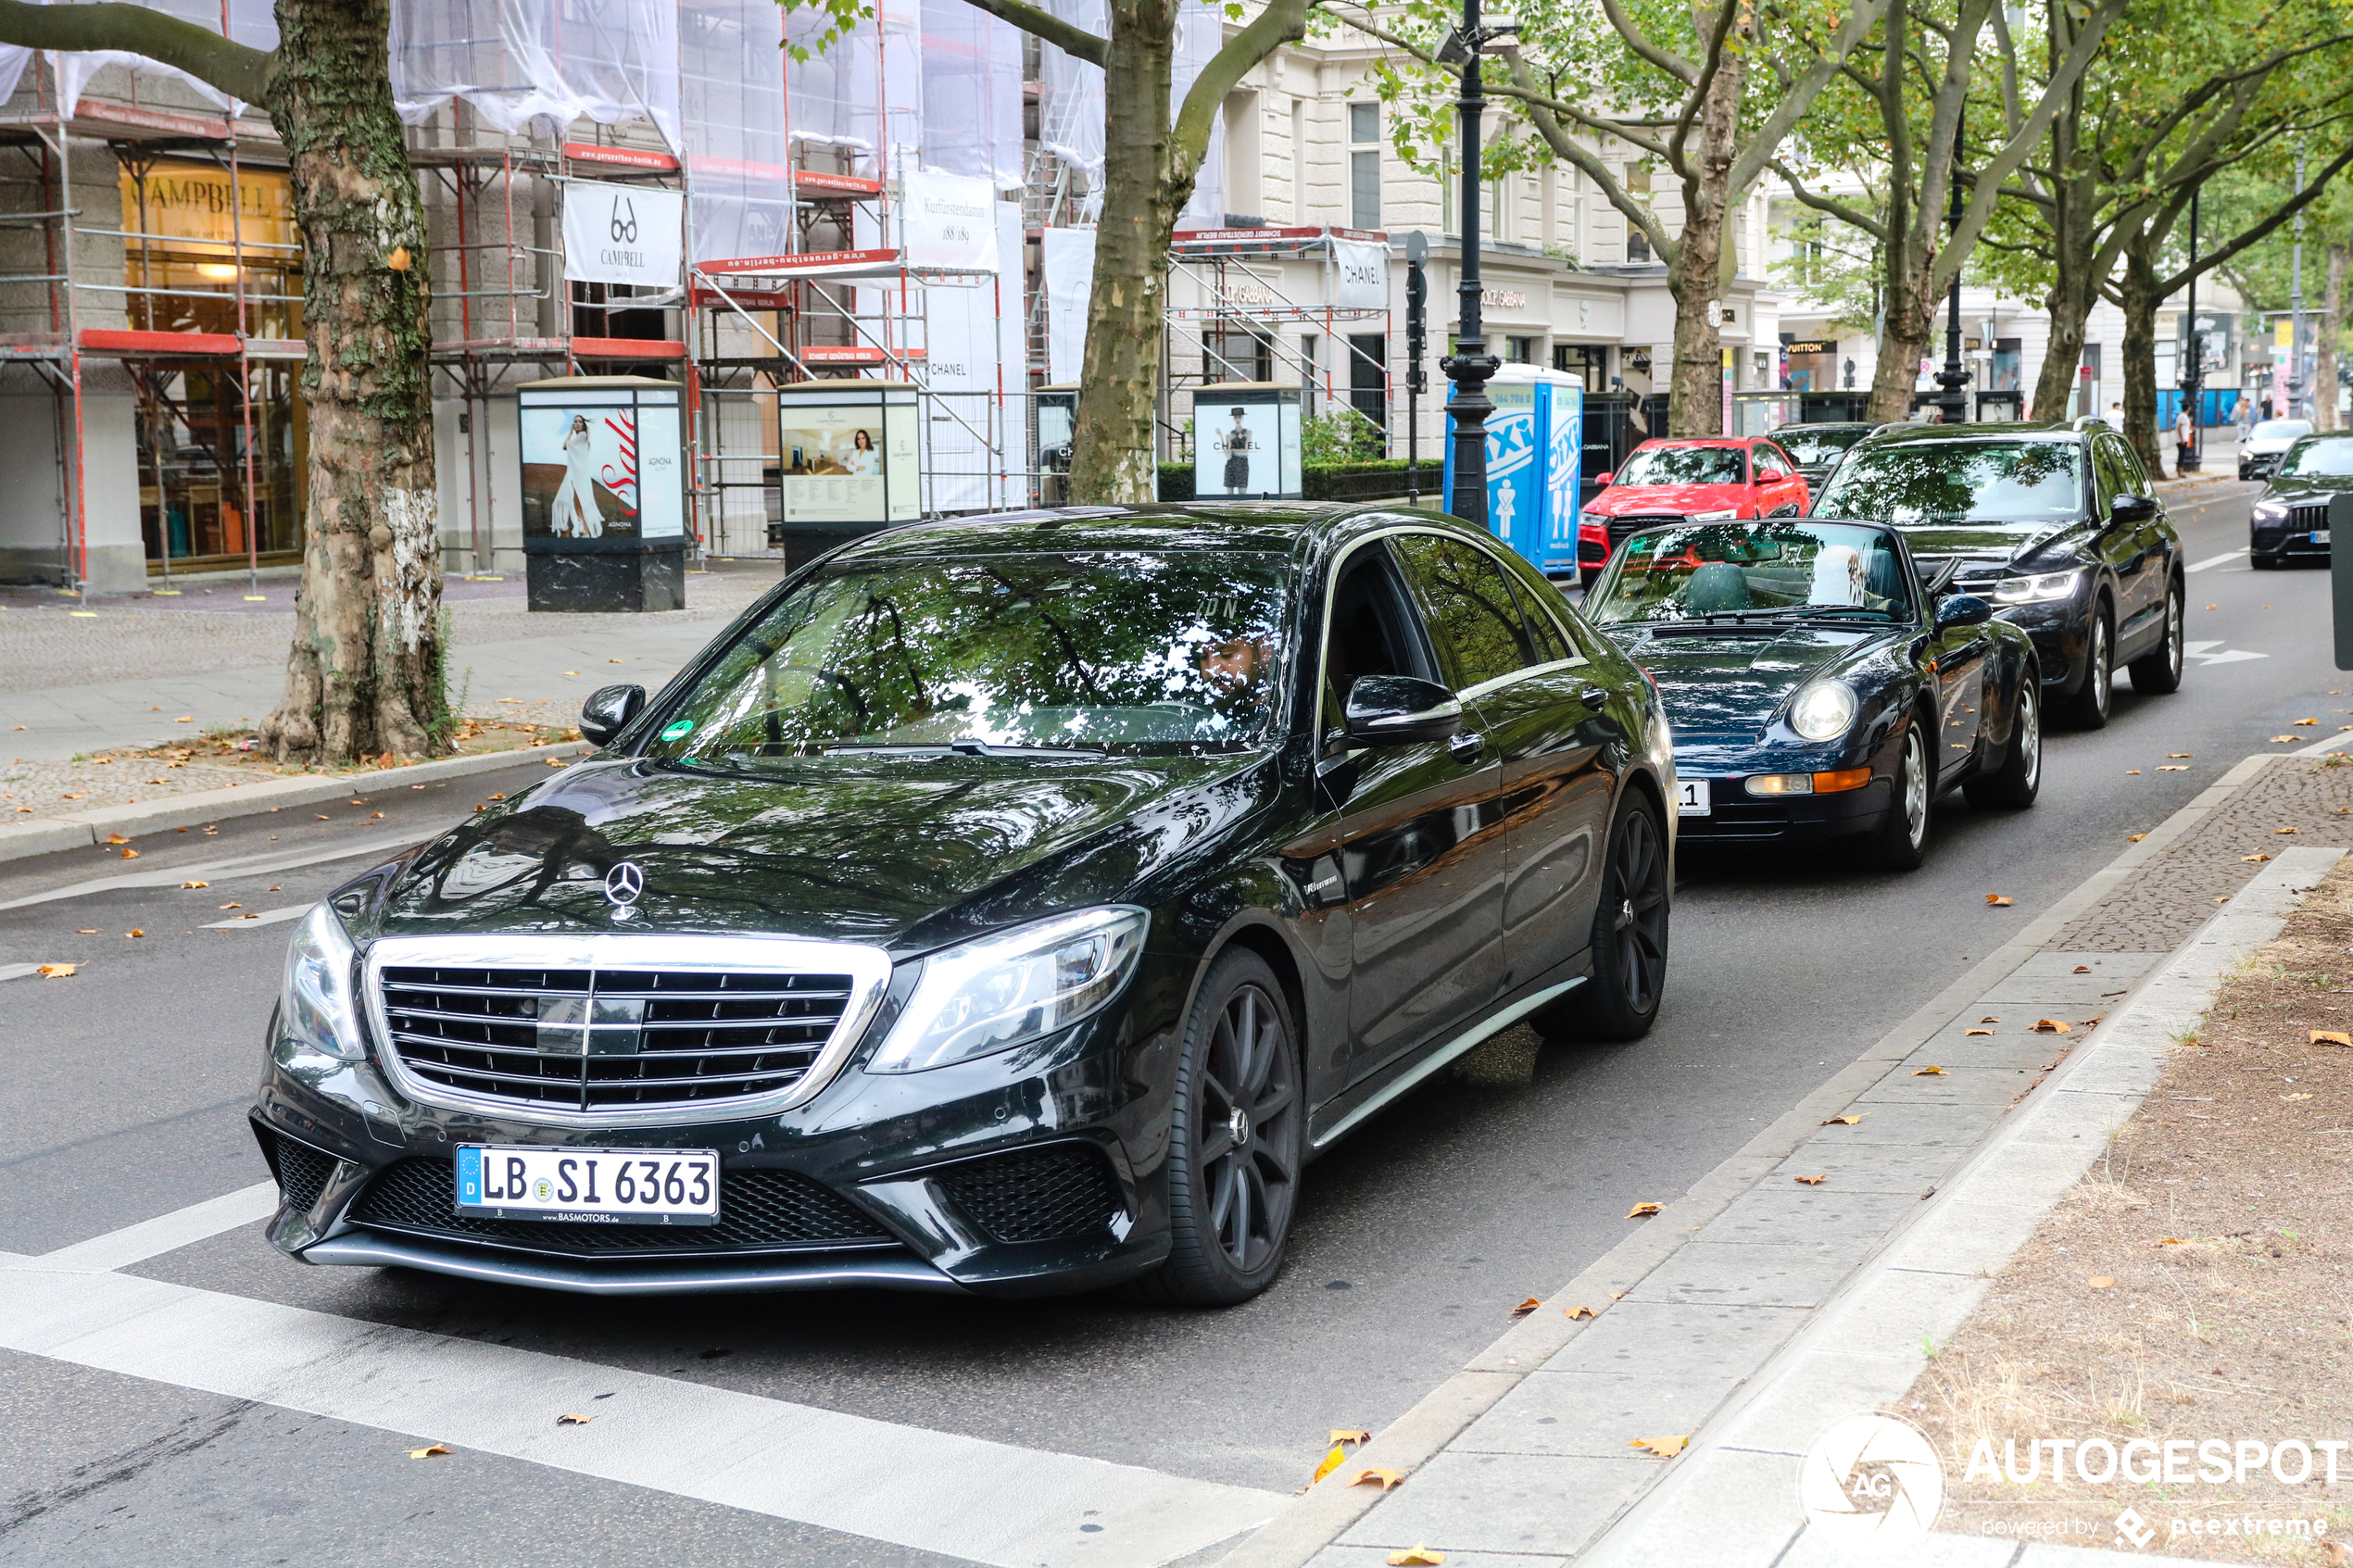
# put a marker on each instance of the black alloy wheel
(1620, 1002)
(2016, 781)
(2087, 709)
(1235, 1140)
(1900, 843)
(2160, 671)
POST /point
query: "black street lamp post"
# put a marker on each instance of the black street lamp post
(1470, 365)
(1955, 376)
(1416, 341)
(2191, 458)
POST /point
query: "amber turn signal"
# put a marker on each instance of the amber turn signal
(1846, 778)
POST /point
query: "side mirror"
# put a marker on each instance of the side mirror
(608, 711)
(1962, 610)
(1601, 482)
(2132, 509)
(1401, 710)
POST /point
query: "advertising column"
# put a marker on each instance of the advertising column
(603, 493)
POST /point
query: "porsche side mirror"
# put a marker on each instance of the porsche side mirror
(608, 711)
(1962, 610)
(2132, 509)
(1401, 710)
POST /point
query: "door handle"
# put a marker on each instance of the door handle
(1594, 696)
(1465, 747)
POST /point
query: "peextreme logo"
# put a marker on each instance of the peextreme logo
(1871, 1484)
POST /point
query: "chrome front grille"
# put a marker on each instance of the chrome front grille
(627, 1028)
(2306, 518)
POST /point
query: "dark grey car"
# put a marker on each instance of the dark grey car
(2061, 527)
(2291, 518)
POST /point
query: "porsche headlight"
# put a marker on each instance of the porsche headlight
(1729, 514)
(2041, 588)
(1003, 991)
(1822, 710)
(315, 1011)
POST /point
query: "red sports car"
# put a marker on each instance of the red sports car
(1701, 479)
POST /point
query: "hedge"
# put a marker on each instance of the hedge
(1371, 481)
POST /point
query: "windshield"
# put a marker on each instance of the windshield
(1114, 651)
(1683, 465)
(2328, 458)
(2280, 429)
(1959, 481)
(1819, 443)
(1781, 566)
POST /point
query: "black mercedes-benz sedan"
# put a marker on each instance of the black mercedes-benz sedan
(2291, 518)
(2059, 528)
(1012, 905)
(1819, 688)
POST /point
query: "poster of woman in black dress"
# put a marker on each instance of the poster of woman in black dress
(1238, 443)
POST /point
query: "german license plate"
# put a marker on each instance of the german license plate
(2320, 536)
(598, 1186)
(1692, 799)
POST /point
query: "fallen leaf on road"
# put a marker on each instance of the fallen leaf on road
(1810, 1180)
(1997, 900)
(2088, 1022)
(435, 1451)
(2135, 837)
(2307, 721)
(2287, 1098)
(185, 718)
(83, 793)
(1384, 1479)
(87, 931)
(2132, 770)
(1641, 1210)
(2277, 740)
(1617, 1295)
(232, 905)
(1664, 1448)
(1928, 1073)
(497, 797)
(1340, 1433)
(2101, 1282)
(1845, 1120)
(1968, 1031)
(1573, 1313)
(134, 934)
(2178, 754)
(2255, 857)
(1989, 1019)
(2283, 829)
(188, 884)
(2224, 899)
(2082, 969)
(322, 815)
(2330, 1038)
(2172, 767)
(131, 854)
(1332, 1460)
(1533, 1302)
(57, 970)
(1416, 1556)
(2050, 1026)
(572, 672)
(573, 1420)
(2171, 1241)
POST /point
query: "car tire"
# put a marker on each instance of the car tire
(1237, 1140)
(1620, 1001)
(2159, 671)
(1900, 843)
(2014, 785)
(2088, 708)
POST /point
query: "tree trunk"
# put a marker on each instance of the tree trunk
(2325, 353)
(365, 672)
(1911, 317)
(1698, 272)
(2139, 295)
(2073, 292)
(1144, 189)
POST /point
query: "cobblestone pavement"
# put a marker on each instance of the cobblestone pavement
(2159, 906)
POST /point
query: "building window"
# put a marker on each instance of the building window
(1589, 362)
(1234, 351)
(1638, 246)
(1363, 166)
(1299, 160)
(1519, 350)
(1499, 208)
(1638, 178)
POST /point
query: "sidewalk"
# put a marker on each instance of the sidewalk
(1761, 1306)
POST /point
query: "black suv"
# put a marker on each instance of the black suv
(2291, 518)
(2061, 527)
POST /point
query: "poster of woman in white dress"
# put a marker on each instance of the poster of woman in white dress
(580, 472)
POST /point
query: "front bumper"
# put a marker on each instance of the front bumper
(1034, 1172)
(2283, 542)
(1739, 818)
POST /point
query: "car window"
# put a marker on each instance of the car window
(2108, 464)
(1778, 567)
(1914, 481)
(1821, 445)
(1767, 465)
(1683, 465)
(1552, 626)
(2136, 473)
(2325, 456)
(1373, 631)
(1469, 608)
(1151, 652)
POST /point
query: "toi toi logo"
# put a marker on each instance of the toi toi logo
(1871, 1484)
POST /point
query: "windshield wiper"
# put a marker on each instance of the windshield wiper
(1827, 612)
(968, 745)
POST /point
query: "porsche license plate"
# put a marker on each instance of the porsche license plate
(603, 1187)
(1691, 798)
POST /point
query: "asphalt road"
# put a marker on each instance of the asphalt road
(126, 1088)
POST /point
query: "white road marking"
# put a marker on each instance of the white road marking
(17, 970)
(2214, 560)
(245, 865)
(169, 1233)
(2228, 656)
(932, 1492)
(264, 917)
(2200, 647)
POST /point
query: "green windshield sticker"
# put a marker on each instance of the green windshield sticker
(682, 727)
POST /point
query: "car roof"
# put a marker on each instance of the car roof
(1995, 430)
(1803, 425)
(1700, 441)
(1284, 528)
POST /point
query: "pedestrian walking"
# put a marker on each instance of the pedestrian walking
(2184, 435)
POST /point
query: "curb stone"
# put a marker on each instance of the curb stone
(1309, 1528)
(78, 830)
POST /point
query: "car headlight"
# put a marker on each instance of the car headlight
(1006, 990)
(1822, 710)
(1729, 514)
(315, 1011)
(2270, 510)
(2041, 587)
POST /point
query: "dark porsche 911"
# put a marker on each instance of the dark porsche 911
(1012, 905)
(1818, 688)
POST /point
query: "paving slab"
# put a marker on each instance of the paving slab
(1991, 1089)
(1754, 1275)
(1789, 1214)
(1858, 1167)
(1506, 1503)
(1714, 1340)
(1599, 1414)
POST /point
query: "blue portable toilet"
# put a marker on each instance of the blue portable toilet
(1534, 440)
